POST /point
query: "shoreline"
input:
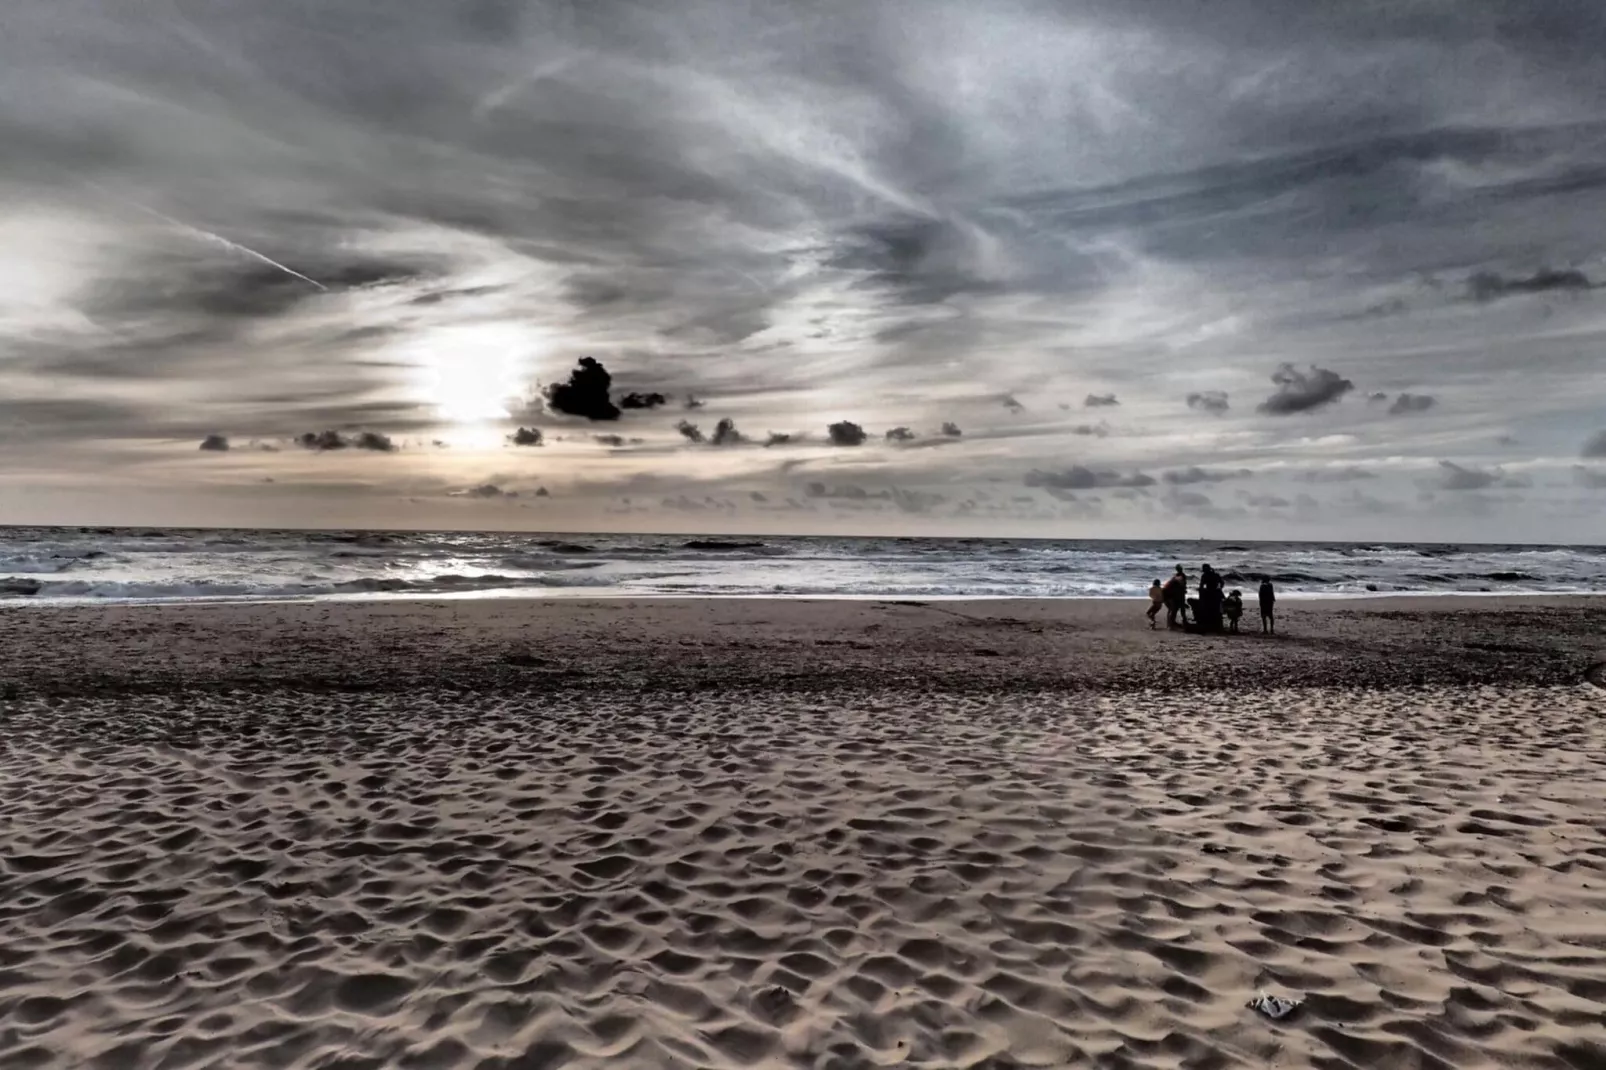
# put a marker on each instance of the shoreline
(571, 595)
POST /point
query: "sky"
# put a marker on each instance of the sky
(1088, 268)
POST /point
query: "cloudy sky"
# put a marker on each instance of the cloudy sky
(1079, 267)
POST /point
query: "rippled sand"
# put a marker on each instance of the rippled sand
(755, 879)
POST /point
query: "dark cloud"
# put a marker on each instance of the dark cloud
(1079, 477)
(725, 433)
(642, 401)
(585, 394)
(1100, 401)
(1091, 430)
(322, 441)
(1409, 404)
(1009, 402)
(215, 444)
(616, 441)
(690, 431)
(373, 440)
(1491, 286)
(1186, 476)
(846, 433)
(528, 436)
(779, 438)
(900, 434)
(694, 402)
(758, 496)
(951, 430)
(1377, 398)
(1299, 391)
(1212, 401)
(1594, 446)
(542, 492)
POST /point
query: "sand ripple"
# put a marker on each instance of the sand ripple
(436, 882)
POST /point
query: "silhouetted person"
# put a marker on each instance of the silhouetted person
(1207, 607)
(1268, 606)
(1176, 598)
(1156, 602)
(1234, 608)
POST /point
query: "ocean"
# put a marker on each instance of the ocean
(55, 565)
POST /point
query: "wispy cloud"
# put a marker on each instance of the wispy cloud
(484, 223)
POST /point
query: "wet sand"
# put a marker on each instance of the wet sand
(765, 834)
(633, 645)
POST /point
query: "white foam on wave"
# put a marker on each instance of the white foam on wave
(35, 566)
(51, 566)
(204, 590)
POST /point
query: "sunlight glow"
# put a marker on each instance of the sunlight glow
(473, 373)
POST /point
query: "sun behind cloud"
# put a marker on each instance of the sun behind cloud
(469, 372)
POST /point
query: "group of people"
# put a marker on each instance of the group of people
(1211, 610)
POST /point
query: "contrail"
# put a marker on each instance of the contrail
(207, 235)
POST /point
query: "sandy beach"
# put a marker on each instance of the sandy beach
(763, 834)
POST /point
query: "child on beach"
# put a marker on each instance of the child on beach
(1156, 601)
(1233, 607)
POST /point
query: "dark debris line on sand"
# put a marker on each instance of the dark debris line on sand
(818, 648)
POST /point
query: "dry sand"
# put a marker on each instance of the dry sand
(762, 834)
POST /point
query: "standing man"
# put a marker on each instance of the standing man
(1176, 598)
(1268, 605)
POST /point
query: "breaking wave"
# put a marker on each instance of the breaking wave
(44, 565)
(205, 590)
